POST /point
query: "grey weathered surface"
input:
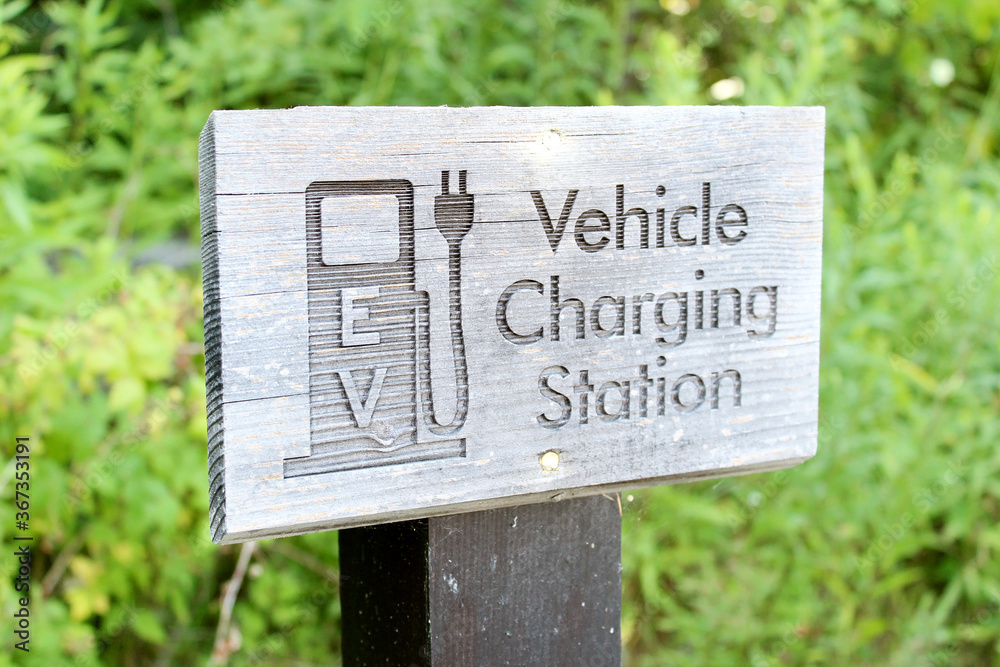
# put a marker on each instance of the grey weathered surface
(528, 585)
(302, 206)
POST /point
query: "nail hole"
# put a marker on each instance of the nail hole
(549, 460)
(551, 139)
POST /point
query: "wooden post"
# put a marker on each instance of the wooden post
(526, 585)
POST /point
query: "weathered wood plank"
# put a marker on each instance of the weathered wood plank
(337, 271)
(528, 585)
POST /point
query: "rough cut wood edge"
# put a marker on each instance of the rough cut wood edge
(503, 502)
(213, 332)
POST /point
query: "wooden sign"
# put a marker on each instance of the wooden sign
(412, 312)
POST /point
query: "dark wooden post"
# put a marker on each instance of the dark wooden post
(527, 585)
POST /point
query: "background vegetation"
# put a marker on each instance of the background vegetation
(884, 549)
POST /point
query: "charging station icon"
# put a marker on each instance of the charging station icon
(369, 327)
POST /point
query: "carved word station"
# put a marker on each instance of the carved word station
(413, 312)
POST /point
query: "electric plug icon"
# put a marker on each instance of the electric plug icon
(453, 213)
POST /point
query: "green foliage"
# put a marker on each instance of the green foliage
(884, 549)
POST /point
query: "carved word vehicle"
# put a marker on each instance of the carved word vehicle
(412, 312)
(596, 222)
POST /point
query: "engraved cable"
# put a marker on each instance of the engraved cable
(458, 348)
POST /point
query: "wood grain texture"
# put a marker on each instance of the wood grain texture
(382, 345)
(528, 585)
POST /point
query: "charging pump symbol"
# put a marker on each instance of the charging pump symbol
(369, 327)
